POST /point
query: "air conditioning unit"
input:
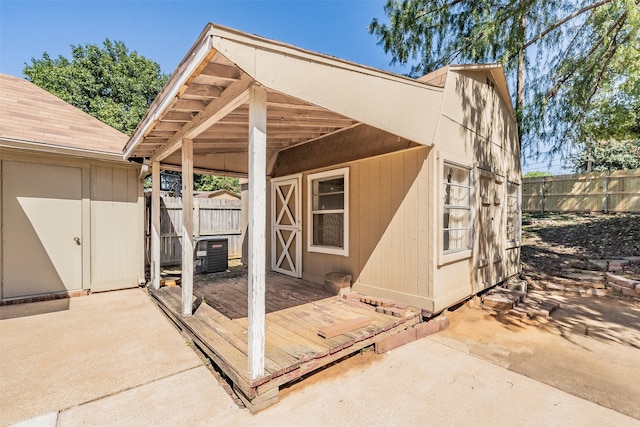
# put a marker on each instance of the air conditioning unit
(212, 254)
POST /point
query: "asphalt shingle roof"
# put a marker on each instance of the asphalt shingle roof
(31, 114)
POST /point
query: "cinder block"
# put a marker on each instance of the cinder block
(395, 341)
(335, 281)
(498, 301)
(431, 327)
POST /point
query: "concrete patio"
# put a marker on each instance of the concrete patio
(114, 359)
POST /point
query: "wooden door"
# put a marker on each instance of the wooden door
(42, 229)
(286, 228)
(485, 235)
(490, 236)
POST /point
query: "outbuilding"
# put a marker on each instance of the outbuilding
(409, 186)
(71, 210)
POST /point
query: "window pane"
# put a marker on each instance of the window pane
(456, 218)
(328, 230)
(457, 196)
(328, 202)
(456, 221)
(331, 185)
(455, 240)
(456, 175)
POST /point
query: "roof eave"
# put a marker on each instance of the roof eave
(58, 149)
(199, 52)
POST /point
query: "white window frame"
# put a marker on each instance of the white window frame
(333, 250)
(446, 257)
(514, 243)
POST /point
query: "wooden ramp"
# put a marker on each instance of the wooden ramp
(294, 347)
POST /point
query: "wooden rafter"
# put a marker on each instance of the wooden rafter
(236, 94)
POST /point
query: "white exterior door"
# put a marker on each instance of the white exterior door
(42, 229)
(286, 226)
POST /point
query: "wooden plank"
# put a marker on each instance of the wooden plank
(303, 321)
(277, 362)
(226, 356)
(318, 363)
(342, 327)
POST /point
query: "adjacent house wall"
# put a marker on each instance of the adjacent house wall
(110, 233)
(116, 227)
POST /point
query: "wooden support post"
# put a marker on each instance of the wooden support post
(187, 227)
(196, 217)
(155, 225)
(257, 228)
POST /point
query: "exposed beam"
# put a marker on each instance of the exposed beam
(187, 227)
(177, 116)
(235, 95)
(257, 229)
(226, 72)
(168, 125)
(198, 55)
(207, 91)
(204, 171)
(155, 225)
(188, 105)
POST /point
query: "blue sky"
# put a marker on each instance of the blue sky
(164, 30)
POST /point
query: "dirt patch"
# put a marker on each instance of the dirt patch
(568, 248)
(589, 347)
(357, 362)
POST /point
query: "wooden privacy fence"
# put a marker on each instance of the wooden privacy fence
(211, 217)
(616, 191)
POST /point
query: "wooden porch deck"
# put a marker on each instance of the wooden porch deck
(296, 310)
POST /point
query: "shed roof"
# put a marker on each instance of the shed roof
(31, 116)
(309, 96)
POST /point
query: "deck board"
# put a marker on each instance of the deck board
(295, 311)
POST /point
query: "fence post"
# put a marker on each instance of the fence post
(606, 192)
(542, 194)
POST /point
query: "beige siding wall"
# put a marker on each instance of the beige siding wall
(476, 130)
(395, 221)
(112, 219)
(389, 247)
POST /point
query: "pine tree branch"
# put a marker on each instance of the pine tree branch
(610, 51)
(619, 23)
(437, 9)
(565, 20)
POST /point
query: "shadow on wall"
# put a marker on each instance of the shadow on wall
(484, 132)
(383, 245)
